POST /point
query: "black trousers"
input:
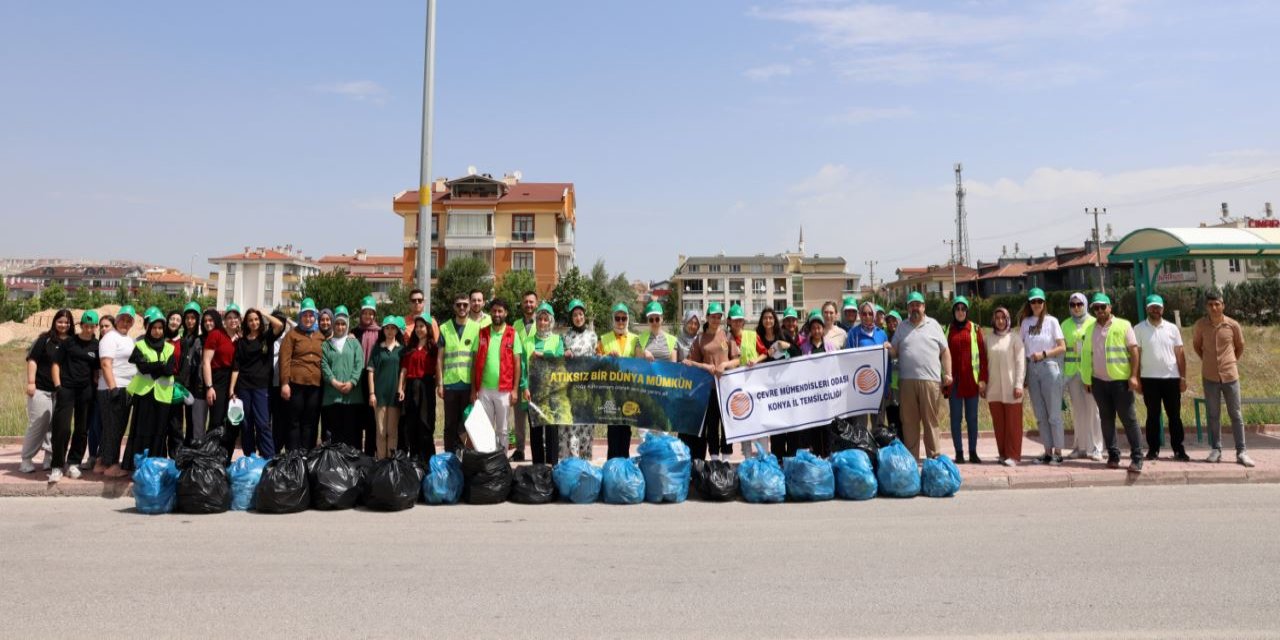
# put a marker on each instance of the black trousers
(71, 405)
(343, 423)
(279, 415)
(1115, 398)
(304, 418)
(711, 440)
(418, 435)
(150, 430)
(619, 438)
(113, 408)
(1167, 392)
(817, 440)
(545, 442)
(455, 402)
(218, 410)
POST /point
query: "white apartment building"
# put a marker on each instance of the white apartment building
(261, 278)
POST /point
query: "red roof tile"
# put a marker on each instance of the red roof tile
(371, 260)
(1087, 259)
(520, 192)
(267, 255)
(1048, 265)
(1011, 270)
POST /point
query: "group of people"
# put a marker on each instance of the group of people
(276, 385)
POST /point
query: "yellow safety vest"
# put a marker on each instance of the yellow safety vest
(1074, 335)
(610, 345)
(141, 384)
(747, 349)
(1117, 352)
(457, 352)
(975, 362)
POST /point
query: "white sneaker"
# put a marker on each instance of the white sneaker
(26, 466)
(55, 475)
(47, 461)
(1095, 456)
(1010, 462)
(73, 472)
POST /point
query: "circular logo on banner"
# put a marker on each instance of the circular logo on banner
(866, 379)
(630, 408)
(740, 404)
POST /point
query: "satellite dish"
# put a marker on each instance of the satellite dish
(471, 169)
(519, 175)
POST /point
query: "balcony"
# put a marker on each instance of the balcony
(688, 288)
(522, 236)
(291, 278)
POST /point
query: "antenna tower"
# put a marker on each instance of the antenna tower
(961, 248)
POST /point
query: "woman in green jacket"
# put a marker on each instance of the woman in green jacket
(546, 343)
(341, 366)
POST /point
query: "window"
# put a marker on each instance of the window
(453, 254)
(693, 286)
(779, 285)
(735, 268)
(269, 299)
(848, 285)
(733, 302)
(779, 304)
(737, 286)
(231, 269)
(758, 306)
(755, 268)
(271, 271)
(435, 260)
(693, 268)
(1233, 265)
(759, 285)
(692, 305)
(715, 268)
(522, 228)
(715, 286)
(472, 225)
(522, 261)
(777, 268)
(435, 226)
(797, 291)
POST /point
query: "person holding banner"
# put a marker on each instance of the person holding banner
(688, 333)
(777, 344)
(969, 361)
(619, 343)
(791, 327)
(750, 351)
(495, 376)
(544, 439)
(924, 365)
(893, 410)
(814, 439)
(580, 341)
(1006, 374)
(714, 353)
(867, 334)
(1045, 343)
(849, 314)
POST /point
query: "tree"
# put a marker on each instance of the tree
(82, 298)
(397, 301)
(53, 296)
(122, 295)
(329, 290)
(671, 307)
(458, 278)
(572, 285)
(513, 287)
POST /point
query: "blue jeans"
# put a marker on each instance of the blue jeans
(970, 407)
(255, 433)
(1044, 379)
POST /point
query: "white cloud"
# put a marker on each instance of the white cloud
(863, 115)
(767, 72)
(358, 90)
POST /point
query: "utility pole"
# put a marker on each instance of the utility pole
(961, 250)
(871, 264)
(1097, 245)
(952, 243)
(424, 176)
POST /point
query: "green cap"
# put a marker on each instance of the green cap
(654, 308)
(1155, 300)
(126, 310)
(153, 315)
(790, 312)
(192, 306)
(89, 316)
(960, 300)
(151, 310)
(1036, 293)
(577, 304)
(849, 303)
(400, 324)
(341, 310)
(546, 308)
(878, 308)
(621, 307)
(368, 302)
(389, 320)
(735, 312)
(715, 308)
(232, 307)
(915, 296)
(307, 305)
(1100, 298)
(895, 315)
(814, 316)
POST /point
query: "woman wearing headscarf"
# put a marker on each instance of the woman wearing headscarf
(417, 387)
(190, 361)
(715, 353)
(1044, 344)
(687, 334)
(41, 391)
(325, 322)
(544, 438)
(1085, 421)
(580, 341)
(341, 369)
(300, 376)
(969, 380)
(1006, 375)
(619, 343)
(152, 390)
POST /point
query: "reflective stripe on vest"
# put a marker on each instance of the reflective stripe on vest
(1075, 335)
(1117, 352)
(610, 345)
(975, 362)
(457, 352)
(141, 384)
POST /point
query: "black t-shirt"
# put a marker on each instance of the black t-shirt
(79, 360)
(253, 360)
(44, 352)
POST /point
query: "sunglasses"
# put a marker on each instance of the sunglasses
(461, 305)
(1076, 304)
(619, 318)
(417, 300)
(652, 320)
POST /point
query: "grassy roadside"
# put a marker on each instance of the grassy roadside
(1259, 370)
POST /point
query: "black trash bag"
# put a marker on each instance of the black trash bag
(486, 477)
(284, 487)
(393, 484)
(336, 473)
(203, 485)
(850, 434)
(884, 436)
(715, 480)
(533, 485)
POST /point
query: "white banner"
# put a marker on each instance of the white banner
(800, 393)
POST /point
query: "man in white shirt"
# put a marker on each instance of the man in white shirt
(1164, 377)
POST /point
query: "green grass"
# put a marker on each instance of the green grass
(1259, 372)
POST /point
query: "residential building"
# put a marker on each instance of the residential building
(1215, 273)
(760, 281)
(98, 278)
(382, 272)
(511, 225)
(660, 290)
(174, 283)
(261, 278)
(944, 280)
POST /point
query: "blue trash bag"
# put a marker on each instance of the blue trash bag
(244, 474)
(577, 480)
(898, 475)
(809, 478)
(666, 465)
(155, 484)
(443, 482)
(760, 479)
(940, 478)
(623, 481)
(855, 478)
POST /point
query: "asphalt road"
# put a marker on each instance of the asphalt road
(1186, 561)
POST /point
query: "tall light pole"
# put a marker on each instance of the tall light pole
(871, 265)
(1097, 246)
(424, 176)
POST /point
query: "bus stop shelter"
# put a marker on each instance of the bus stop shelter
(1149, 248)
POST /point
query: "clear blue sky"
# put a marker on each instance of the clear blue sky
(155, 130)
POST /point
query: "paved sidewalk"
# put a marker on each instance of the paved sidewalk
(1264, 448)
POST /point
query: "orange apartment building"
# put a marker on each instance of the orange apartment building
(511, 225)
